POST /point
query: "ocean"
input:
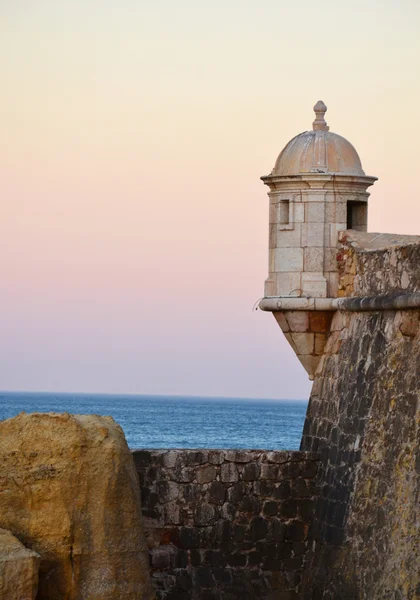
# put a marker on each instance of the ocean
(178, 422)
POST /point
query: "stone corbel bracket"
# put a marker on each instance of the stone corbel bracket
(306, 322)
(307, 331)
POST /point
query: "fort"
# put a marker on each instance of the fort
(337, 520)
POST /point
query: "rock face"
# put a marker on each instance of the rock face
(69, 490)
(18, 569)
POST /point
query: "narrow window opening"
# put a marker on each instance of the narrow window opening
(356, 215)
(284, 212)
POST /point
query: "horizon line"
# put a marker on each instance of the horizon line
(142, 395)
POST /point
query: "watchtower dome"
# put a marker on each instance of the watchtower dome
(317, 189)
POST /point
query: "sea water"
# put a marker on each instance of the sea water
(178, 422)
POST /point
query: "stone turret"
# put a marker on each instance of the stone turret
(317, 189)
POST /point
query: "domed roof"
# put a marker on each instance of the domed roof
(318, 151)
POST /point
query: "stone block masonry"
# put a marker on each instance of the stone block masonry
(378, 263)
(364, 421)
(363, 417)
(227, 524)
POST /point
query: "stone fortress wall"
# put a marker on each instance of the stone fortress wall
(359, 341)
(249, 524)
(227, 523)
(363, 419)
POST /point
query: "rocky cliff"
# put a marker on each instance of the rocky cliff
(69, 491)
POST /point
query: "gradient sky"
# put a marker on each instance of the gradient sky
(134, 225)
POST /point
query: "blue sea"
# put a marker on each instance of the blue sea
(178, 422)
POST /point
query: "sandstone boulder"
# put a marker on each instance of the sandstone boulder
(18, 569)
(69, 490)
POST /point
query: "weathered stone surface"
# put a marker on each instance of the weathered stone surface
(231, 533)
(18, 569)
(363, 418)
(229, 472)
(372, 263)
(206, 474)
(69, 490)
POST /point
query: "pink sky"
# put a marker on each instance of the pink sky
(134, 224)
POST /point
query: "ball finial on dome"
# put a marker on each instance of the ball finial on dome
(320, 123)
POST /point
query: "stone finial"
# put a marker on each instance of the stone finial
(320, 123)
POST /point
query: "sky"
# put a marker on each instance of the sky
(134, 224)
